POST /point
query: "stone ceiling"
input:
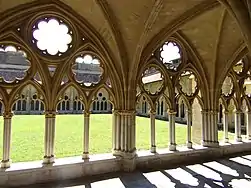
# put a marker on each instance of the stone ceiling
(130, 26)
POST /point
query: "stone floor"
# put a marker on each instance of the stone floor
(231, 173)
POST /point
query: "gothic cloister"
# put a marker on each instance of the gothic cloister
(178, 61)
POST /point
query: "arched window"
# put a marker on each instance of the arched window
(42, 106)
(58, 107)
(79, 105)
(162, 108)
(19, 105)
(182, 110)
(32, 105)
(97, 105)
(14, 107)
(177, 107)
(145, 110)
(105, 105)
(24, 105)
(102, 105)
(143, 106)
(94, 105)
(158, 108)
(67, 105)
(37, 105)
(75, 105)
(63, 105)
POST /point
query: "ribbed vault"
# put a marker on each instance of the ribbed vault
(131, 30)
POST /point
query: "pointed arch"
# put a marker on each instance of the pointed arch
(183, 98)
(64, 88)
(23, 13)
(111, 99)
(237, 56)
(19, 89)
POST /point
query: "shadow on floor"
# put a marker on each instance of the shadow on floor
(230, 173)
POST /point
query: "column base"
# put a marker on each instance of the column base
(226, 140)
(85, 155)
(210, 144)
(153, 149)
(48, 159)
(172, 147)
(189, 145)
(5, 163)
(238, 139)
(128, 162)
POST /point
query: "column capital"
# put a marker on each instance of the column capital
(50, 114)
(7, 115)
(86, 113)
(153, 112)
(114, 111)
(189, 110)
(237, 111)
(171, 112)
(126, 112)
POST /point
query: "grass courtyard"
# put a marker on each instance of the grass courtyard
(28, 135)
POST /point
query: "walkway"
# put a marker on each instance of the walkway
(230, 173)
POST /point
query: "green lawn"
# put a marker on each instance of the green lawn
(28, 135)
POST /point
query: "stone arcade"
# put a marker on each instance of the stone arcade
(182, 61)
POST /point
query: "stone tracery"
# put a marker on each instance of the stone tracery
(61, 87)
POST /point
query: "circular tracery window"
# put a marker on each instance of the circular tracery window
(13, 63)
(170, 55)
(238, 67)
(227, 86)
(188, 83)
(87, 70)
(152, 80)
(52, 37)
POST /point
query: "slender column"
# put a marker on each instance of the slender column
(114, 129)
(172, 144)
(204, 127)
(118, 132)
(238, 126)
(152, 119)
(248, 127)
(214, 125)
(49, 141)
(189, 129)
(5, 163)
(225, 125)
(122, 134)
(127, 144)
(180, 110)
(86, 135)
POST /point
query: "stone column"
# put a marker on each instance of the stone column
(5, 163)
(152, 121)
(49, 141)
(225, 125)
(189, 129)
(180, 110)
(86, 135)
(114, 129)
(209, 129)
(238, 126)
(248, 127)
(125, 142)
(172, 144)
